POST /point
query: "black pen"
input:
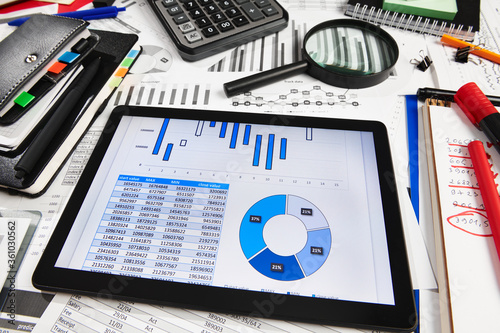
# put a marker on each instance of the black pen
(447, 95)
(29, 159)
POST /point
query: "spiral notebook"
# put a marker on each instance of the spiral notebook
(468, 269)
(463, 26)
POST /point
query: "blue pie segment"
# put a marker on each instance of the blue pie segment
(268, 263)
(251, 231)
(285, 268)
(314, 254)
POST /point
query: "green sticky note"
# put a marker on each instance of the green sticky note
(115, 82)
(24, 99)
(439, 9)
(127, 62)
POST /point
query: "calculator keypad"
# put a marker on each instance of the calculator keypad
(197, 23)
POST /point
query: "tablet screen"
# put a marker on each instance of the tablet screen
(293, 209)
(245, 206)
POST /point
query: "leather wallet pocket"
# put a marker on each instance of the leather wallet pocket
(29, 52)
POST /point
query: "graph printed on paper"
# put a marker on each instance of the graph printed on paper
(266, 53)
(311, 96)
(164, 95)
(200, 95)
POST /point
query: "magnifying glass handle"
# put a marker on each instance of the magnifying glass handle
(263, 78)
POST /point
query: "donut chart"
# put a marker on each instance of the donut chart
(279, 267)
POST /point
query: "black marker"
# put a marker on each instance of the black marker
(25, 165)
(447, 95)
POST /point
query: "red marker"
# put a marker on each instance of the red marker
(480, 111)
(488, 189)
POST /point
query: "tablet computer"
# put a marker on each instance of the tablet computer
(279, 216)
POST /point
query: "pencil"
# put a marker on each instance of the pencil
(477, 50)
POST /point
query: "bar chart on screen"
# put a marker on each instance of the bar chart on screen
(224, 151)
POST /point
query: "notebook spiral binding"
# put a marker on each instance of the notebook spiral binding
(411, 23)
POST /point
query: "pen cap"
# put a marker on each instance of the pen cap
(474, 102)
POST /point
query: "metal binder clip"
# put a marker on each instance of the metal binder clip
(423, 64)
(462, 55)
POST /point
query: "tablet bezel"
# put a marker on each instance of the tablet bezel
(400, 317)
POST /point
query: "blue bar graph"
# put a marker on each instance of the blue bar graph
(233, 141)
(270, 152)
(234, 135)
(156, 149)
(246, 138)
(223, 129)
(283, 149)
(256, 152)
(166, 157)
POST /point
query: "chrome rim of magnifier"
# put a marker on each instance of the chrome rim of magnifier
(350, 53)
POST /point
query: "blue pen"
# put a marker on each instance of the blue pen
(89, 14)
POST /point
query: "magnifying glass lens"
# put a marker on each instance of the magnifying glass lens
(344, 53)
(350, 51)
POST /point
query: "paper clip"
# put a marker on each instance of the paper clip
(424, 64)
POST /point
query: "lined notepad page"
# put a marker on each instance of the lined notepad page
(472, 264)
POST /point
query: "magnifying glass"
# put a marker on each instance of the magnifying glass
(344, 53)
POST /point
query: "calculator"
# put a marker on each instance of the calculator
(201, 28)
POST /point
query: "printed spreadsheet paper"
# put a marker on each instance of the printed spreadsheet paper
(472, 263)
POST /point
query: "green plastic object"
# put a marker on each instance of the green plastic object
(439, 9)
(24, 99)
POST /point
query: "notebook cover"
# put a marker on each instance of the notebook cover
(112, 48)
(29, 48)
(467, 15)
